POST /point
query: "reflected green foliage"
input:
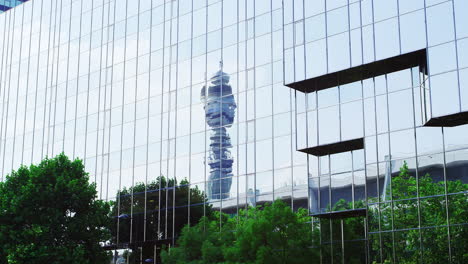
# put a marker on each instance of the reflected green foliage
(49, 213)
(407, 243)
(351, 229)
(163, 222)
(271, 234)
(420, 225)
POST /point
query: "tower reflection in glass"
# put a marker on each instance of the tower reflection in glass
(220, 107)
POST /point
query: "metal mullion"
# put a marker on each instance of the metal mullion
(366, 219)
(379, 195)
(110, 87)
(12, 27)
(161, 121)
(376, 137)
(175, 128)
(56, 78)
(458, 64)
(110, 118)
(148, 130)
(123, 108)
(390, 162)
(428, 68)
(447, 215)
(17, 93)
(326, 36)
(121, 124)
(189, 200)
(67, 76)
(399, 24)
(46, 84)
(105, 27)
(2, 94)
(349, 37)
(89, 83)
(36, 82)
(352, 180)
(417, 163)
(51, 81)
(134, 122)
(272, 107)
(329, 202)
(99, 107)
(206, 85)
(78, 82)
(237, 117)
(27, 85)
(168, 158)
(293, 125)
(222, 125)
(6, 84)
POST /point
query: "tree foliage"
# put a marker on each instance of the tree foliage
(49, 213)
(406, 213)
(414, 207)
(271, 234)
(167, 212)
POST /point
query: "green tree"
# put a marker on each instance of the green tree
(269, 234)
(163, 223)
(49, 213)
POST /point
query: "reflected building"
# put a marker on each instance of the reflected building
(220, 109)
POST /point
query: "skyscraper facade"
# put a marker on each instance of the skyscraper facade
(181, 107)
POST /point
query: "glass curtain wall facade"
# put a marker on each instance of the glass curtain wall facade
(182, 107)
(381, 85)
(119, 84)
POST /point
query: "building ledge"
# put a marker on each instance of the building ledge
(453, 120)
(362, 72)
(334, 148)
(342, 214)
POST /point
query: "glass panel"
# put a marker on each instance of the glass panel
(337, 21)
(440, 27)
(384, 9)
(401, 110)
(338, 53)
(442, 58)
(315, 28)
(433, 211)
(329, 126)
(444, 94)
(429, 140)
(387, 38)
(435, 245)
(402, 144)
(316, 58)
(456, 168)
(407, 246)
(431, 175)
(351, 120)
(455, 137)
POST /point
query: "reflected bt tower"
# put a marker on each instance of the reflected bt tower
(220, 107)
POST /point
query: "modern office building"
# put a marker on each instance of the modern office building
(8, 4)
(238, 103)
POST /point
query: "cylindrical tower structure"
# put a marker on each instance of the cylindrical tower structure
(220, 106)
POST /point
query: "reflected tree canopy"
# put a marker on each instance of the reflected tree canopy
(408, 224)
(167, 212)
